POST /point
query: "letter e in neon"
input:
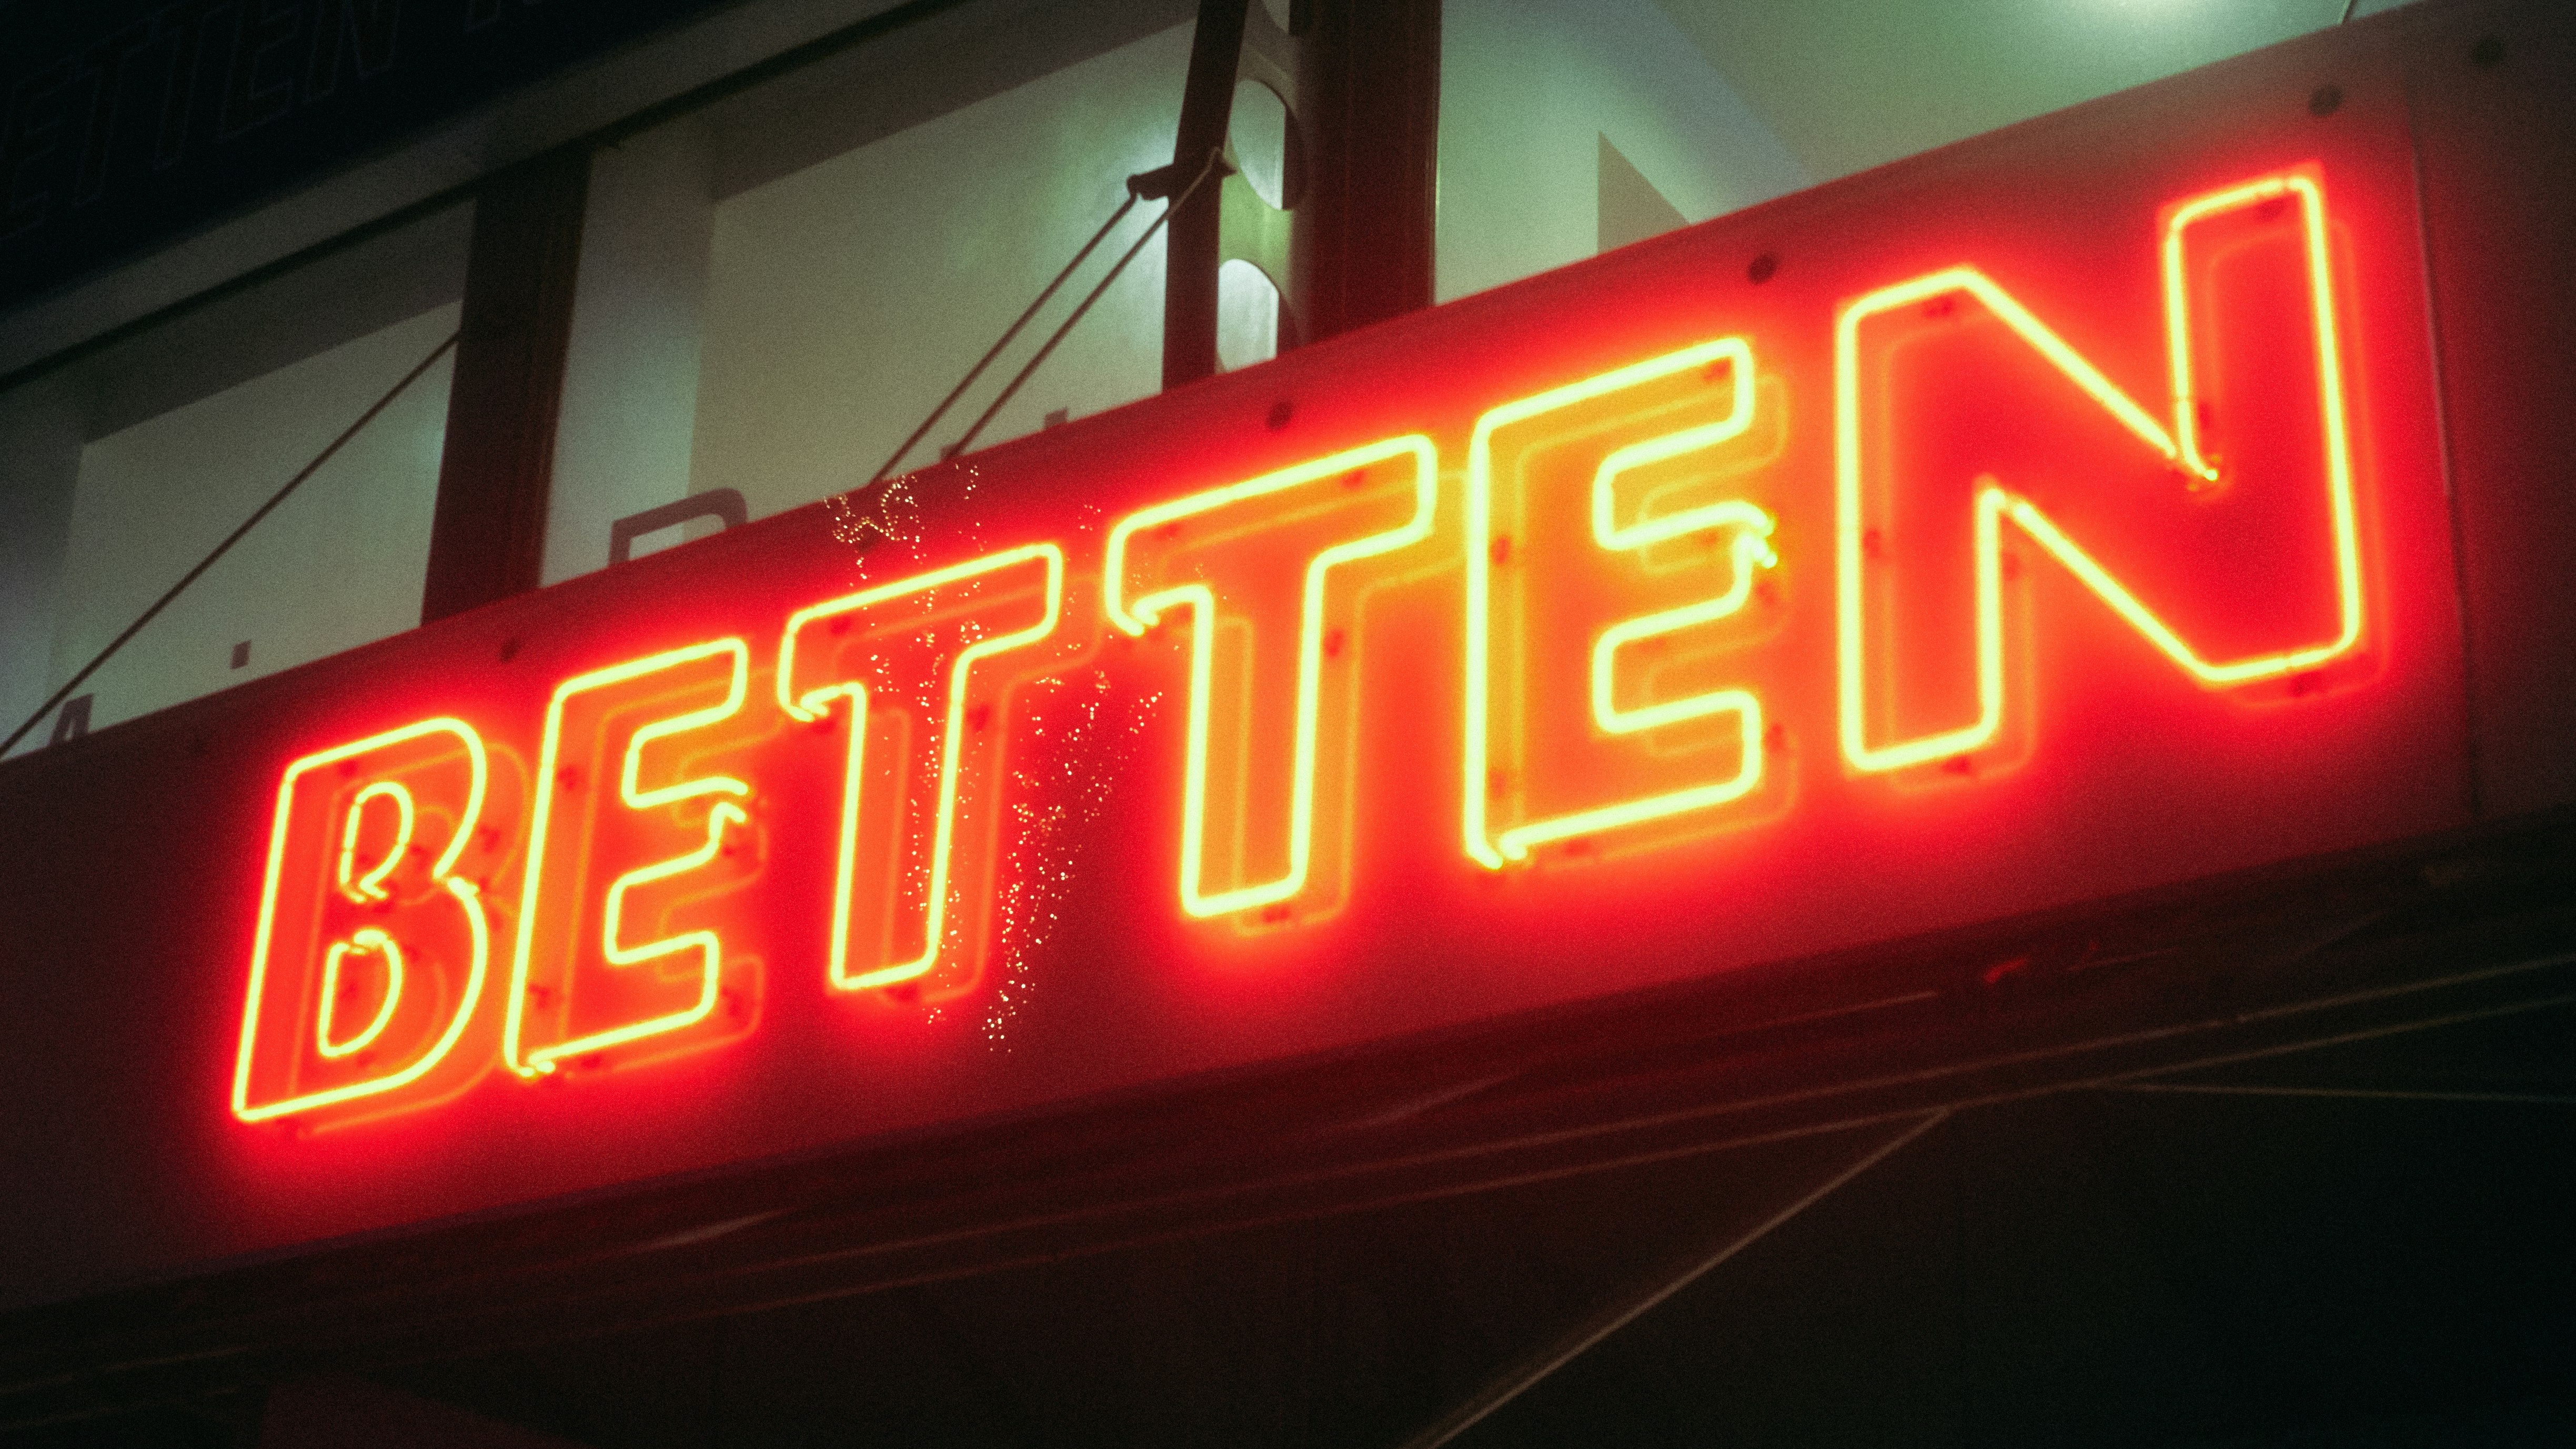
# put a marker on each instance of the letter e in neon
(1611, 575)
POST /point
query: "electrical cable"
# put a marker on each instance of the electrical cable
(247, 524)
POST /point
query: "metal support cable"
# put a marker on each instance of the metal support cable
(234, 537)
(1137, 186)
(2353, 1094)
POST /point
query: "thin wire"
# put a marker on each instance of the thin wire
(1004, 340)
(2218, 1089)
(1205, 171)
(225, 547)
(1525, 1374)
(2347, 11)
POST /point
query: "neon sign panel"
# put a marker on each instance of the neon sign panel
(1620, 556)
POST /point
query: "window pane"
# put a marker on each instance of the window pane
(1257, 130)
(775, 292)
(127, 467)
(1247, 316)
(1536, 94)
(1851, 84)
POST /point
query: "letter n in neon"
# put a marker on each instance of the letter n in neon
(1611, 567)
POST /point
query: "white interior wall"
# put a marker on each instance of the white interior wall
(337, 565)
(844, 300)
(1527, 90)
(629, 412)
(40, 453)
(1851, 84)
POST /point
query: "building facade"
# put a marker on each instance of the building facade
(1489, 721)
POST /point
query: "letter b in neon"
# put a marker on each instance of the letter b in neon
(373, 945)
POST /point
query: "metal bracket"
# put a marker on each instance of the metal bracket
(1249, 228)
(1235, 41)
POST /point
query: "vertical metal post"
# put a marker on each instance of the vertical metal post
(1191, 241)
(1369, 96)
(488, 535)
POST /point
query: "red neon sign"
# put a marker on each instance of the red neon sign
(1274, 546)
(1596, 440)
(1698, 605)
